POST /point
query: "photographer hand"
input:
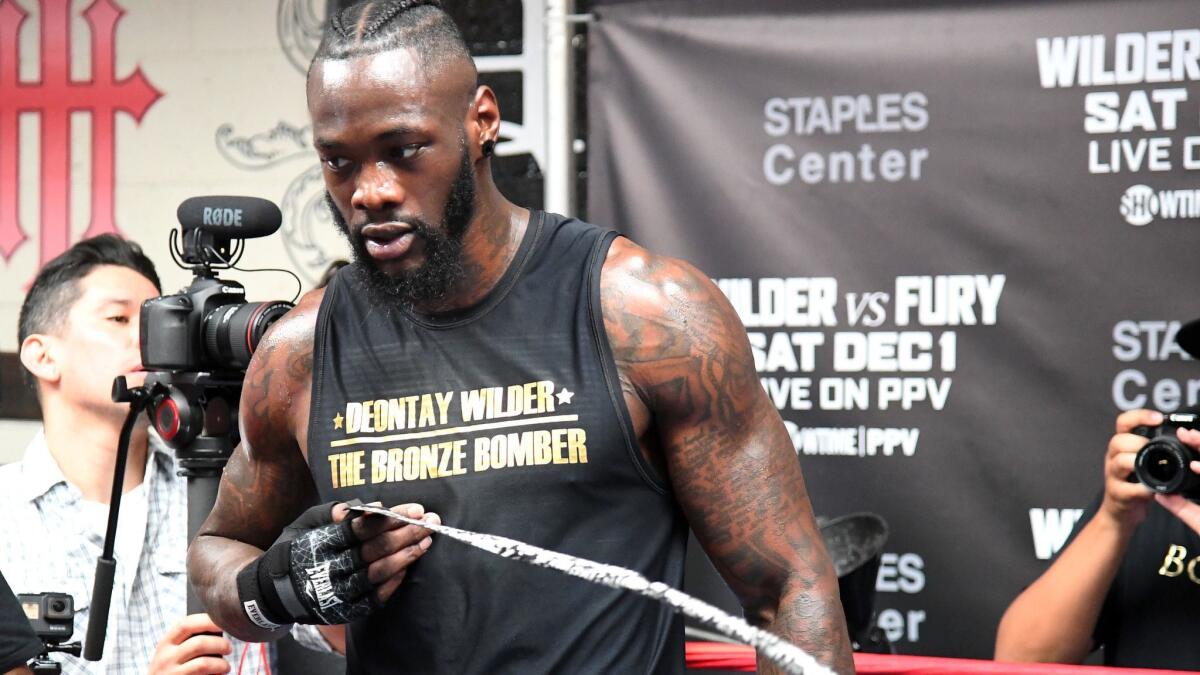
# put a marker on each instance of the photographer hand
(188, 648)
(1124, 501)
(1053, 619)
(1183, 508)
(327, 568)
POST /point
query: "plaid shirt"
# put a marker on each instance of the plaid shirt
(46, 545)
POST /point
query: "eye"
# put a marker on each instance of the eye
(119, 318)
(335, 163)
(409, 151)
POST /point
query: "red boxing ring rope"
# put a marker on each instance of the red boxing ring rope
(721, 656)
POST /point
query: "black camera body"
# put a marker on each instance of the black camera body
(52, 615)
(1162, 464)
(208, 326)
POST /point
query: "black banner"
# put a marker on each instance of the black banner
(960, 235)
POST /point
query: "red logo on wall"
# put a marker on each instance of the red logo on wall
(54, 96)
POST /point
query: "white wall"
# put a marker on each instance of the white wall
(14, 436)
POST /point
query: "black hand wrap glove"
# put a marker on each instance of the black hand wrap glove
(312, 574)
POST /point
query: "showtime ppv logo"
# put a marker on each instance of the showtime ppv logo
(1141, 204)
(54, 97)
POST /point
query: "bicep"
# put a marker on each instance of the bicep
(732, 466)
(729, 458)
(259, 496)
(266, 482)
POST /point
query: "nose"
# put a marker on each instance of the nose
(378, 189)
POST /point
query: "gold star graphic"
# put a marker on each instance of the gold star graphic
(337, 421)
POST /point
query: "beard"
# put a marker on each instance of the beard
(443, 266)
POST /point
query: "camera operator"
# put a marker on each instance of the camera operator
(78, 331)
(1128, 579)
(18, 643)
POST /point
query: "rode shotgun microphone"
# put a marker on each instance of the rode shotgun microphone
(212, 229)
(233, 217)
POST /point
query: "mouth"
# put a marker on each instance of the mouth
(388, 241)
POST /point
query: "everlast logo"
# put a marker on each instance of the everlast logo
(1173, 564)
(321, 586)
(223, 217)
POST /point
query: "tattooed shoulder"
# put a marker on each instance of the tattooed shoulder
(681, 346)
(280, 373)
(673, 333)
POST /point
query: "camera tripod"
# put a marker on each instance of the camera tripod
(193, 414)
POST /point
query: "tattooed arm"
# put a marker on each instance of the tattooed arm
(702, 417)
(266, 483)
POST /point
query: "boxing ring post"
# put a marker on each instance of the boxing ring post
(560, 107)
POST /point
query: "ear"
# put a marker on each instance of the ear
(484, 121)
(38, 357)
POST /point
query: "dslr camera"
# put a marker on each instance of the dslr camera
(197, 343)
(1162, 464)
(209, 326)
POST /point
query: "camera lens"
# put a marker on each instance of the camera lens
(232, 332)
(1162, 468)
(58, 606)
(1162, 465)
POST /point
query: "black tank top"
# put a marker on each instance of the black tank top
(506, 419)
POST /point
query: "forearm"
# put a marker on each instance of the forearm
(809, 615)
(213, 566)
(1052, 621)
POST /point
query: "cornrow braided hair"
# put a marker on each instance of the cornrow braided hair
(375, 26)
(371, 16)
